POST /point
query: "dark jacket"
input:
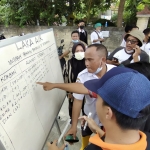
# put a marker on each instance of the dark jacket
(84, 36)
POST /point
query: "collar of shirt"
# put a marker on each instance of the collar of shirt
(98, 32)
(81, 30)
(91, 74)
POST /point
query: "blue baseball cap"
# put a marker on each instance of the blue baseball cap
(124, 89)
(97, 25)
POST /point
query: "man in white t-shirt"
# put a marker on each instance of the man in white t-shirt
(97, 36)
(96, 67)
(131, 52)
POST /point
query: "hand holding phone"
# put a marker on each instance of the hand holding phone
(115, 60)
(137, 51)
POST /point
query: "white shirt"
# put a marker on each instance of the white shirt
(94, 36)
(146, 47)
(90, 104)
(123, 55)
(81, 30)
(123, 43)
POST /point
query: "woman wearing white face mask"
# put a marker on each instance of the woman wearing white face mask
(72, 68)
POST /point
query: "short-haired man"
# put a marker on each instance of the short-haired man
(122, 106)
(83, 36)
(97, 36)
(96, 67)
(75, 39)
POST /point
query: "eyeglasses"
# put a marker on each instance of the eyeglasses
(131, 41)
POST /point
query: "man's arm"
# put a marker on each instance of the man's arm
(70, 87)
(77, 105)
(94, 41)
(64, 54)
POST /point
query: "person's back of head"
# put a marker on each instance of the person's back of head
(128, 28)
(135, 27)
(124, 94)
(146, 31)
(141, 67)
(147, 34)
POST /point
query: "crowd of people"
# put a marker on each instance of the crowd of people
(114, 88)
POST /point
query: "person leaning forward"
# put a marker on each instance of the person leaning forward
(96, 67)
(122, 106)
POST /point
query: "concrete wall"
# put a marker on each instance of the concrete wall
(114, 40)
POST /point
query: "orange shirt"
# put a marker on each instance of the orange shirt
(140, 145)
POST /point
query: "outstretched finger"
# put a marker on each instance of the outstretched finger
(40, 83)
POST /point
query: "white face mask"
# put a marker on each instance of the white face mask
(79, 55)
(75, 41)
(98, 70)
(131, 51)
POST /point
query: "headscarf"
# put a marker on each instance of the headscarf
(76, 65)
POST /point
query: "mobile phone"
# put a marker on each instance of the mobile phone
(115, 59)
(70, 139)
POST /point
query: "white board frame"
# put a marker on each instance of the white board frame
(12, 40)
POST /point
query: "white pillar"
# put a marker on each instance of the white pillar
(142, 21)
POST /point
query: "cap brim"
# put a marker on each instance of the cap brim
(93, 85)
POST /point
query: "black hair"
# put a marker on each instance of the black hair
(141, 67)
(79, 21)
(146, 32)
(127, 123)
(75, 31)
(101, 48)
(130, 27)
(134, 26)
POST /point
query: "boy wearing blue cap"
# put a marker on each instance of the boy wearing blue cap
(97, 36)
(122, 108)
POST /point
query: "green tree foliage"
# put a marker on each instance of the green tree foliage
(130, 9)
(46, 12)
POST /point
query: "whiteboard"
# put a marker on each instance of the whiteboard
(27, 112)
